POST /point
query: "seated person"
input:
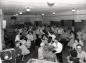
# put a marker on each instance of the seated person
(81, 54)
(76, 43)
(72, 58)
(22, 45)
(77, 57)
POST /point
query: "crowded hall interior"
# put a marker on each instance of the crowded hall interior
(42, 31)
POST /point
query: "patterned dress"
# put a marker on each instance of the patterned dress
(45, 53)
(48, 54)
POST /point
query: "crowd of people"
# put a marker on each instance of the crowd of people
(49, 42)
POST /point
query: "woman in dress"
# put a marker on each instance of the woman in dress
(45, 51)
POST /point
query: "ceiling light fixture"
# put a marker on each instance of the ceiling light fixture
(53, 13)
(73, 10)
(50, 2)
(20, 13)
(43, 14)
(28, 9)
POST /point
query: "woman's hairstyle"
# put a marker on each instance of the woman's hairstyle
(23, 37)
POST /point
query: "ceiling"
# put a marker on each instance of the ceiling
(11, 7)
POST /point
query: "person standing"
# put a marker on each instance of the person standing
(58, 47)
(81, 54)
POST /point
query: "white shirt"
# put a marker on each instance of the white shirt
(17, 38)
(58, 47)
(40, 53)
(82, 56)
(0, 60)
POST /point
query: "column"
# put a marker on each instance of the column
(1, 19)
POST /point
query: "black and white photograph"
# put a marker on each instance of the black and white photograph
(42, 31)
